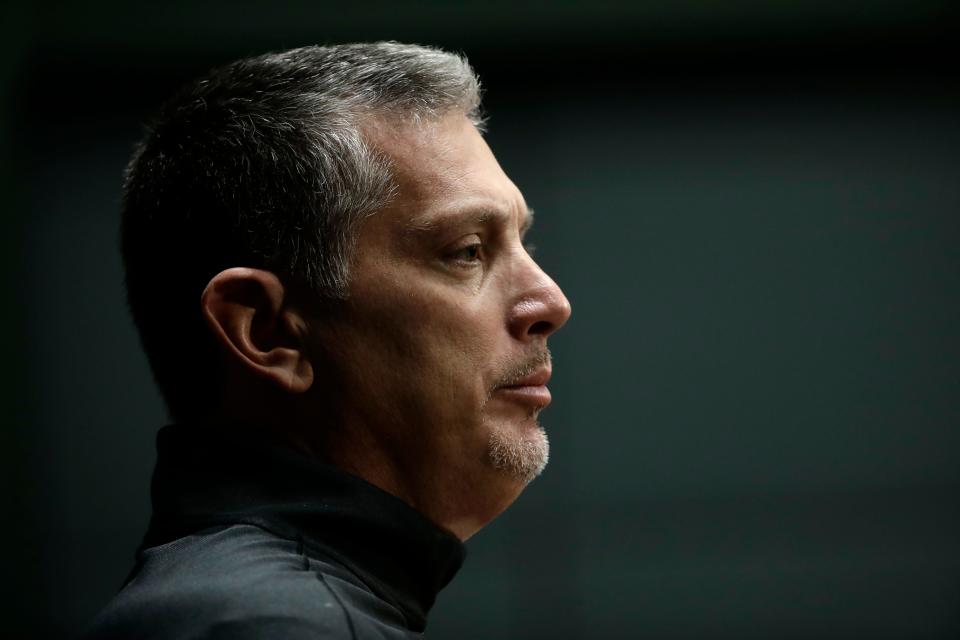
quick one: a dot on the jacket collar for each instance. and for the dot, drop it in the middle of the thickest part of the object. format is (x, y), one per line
(208, 476)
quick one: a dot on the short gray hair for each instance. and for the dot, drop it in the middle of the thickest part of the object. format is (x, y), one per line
(263, 163)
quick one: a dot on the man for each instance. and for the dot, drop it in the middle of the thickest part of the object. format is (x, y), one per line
(326, 266)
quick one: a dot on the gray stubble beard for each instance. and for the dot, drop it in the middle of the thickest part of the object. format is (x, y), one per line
(523, 458)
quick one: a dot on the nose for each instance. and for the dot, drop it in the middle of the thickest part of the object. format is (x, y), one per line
(540, 308)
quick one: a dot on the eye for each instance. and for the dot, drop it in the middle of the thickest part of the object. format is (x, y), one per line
(469, 254)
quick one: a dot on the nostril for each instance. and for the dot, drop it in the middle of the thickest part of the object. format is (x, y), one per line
(540, 328)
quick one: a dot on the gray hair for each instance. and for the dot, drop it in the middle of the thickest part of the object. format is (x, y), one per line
(263, 163)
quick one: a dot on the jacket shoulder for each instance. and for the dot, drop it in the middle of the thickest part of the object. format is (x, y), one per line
(238, 582)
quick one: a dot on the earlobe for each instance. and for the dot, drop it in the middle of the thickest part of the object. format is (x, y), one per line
(245, 310)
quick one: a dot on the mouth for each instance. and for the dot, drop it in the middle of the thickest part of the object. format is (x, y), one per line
(530, 390)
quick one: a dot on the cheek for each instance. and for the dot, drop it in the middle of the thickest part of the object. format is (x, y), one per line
(424, 352)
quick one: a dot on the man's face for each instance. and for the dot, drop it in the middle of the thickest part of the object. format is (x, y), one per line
(440, 352)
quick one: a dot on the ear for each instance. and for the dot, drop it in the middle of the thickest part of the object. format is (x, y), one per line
(245, 310)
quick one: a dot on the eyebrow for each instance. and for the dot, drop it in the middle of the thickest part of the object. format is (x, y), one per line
(478, 216)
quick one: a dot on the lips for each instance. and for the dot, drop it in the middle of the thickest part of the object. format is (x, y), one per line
(530, 390)
(538, 378)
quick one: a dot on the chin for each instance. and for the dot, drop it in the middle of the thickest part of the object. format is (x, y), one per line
(522, 456)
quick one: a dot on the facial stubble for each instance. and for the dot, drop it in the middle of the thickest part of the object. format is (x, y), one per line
(522, 456)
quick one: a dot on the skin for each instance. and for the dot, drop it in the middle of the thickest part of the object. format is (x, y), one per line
(404, 383)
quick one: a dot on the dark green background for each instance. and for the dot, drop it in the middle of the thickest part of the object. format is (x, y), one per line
(753, 207)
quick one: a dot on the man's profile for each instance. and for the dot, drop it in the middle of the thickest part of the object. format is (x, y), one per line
(326, 267)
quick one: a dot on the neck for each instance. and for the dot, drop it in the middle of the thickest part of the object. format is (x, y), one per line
(458, 499)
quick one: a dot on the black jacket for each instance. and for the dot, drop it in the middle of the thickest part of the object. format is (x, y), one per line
(250, 540)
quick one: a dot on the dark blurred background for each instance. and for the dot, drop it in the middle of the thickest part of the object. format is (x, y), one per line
(753, 207)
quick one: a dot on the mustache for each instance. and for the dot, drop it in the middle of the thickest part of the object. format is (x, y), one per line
(517, 372)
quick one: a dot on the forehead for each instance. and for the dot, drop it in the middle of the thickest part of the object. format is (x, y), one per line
(444, 168)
